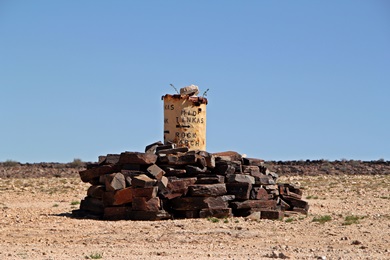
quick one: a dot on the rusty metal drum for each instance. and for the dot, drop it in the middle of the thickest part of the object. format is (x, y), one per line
(185, 121)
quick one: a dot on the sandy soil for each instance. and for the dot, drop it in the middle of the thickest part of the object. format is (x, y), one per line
(35, 223)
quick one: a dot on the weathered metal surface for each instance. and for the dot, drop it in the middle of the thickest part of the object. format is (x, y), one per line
(185, 121)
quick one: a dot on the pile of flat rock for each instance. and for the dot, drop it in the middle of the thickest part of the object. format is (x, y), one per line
(166, 182)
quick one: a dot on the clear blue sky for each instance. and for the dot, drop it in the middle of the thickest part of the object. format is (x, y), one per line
(288, 80)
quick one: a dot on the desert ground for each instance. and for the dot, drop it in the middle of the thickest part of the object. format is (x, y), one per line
(349, 218)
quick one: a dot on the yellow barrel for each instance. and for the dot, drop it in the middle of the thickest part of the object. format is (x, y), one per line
(185, 121)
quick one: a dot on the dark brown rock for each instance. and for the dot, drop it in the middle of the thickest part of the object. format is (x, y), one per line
(111, 159)
(233, 156)
(156, 171)
(240, 178)
(224, 168)
(172, 150)
(209, 179)
(150, 192)
(151, 148)
(216, 213)
(239, 190)
(253, 161)
(177, 187)
(210, 159)
(137, 158)
(194, 203)
(96, 191)
(207, 190)
(195, 170)
(117, 213)
(181, 159)
(93, 205)
(251, 170)
(145, 204)
(119, 197)
(258, 193)
(170, 171)
(90, 174)
(262, 179)
(272, 214)
(114, 181)
(142, 181)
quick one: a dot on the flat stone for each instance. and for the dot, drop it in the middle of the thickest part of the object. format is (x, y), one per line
(137, 158)
(207, 190)
(181, 159)
(233, 156)
(251, 170)
(90, 174)
(151, 148)
(96, 191)
(111, 159)
(262, 179)
(156, 171)
(165, 147)
(253, 161)
(171, 172)
(178, 186)
(173, 150)
(194, 170)
(209, 179)
(119, 197)
(142, 181)
(117, 213)
(240, 190)
(235, 178)
(210, 159)
(216, 213)
(194, 203)
(162, 184)
(272, 214)
(145, 204)
(92, 205)
(150, 192)
(223, 168)
(259, 193)
(115, 181)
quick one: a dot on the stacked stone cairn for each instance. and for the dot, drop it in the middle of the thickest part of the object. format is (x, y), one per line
(166, 182)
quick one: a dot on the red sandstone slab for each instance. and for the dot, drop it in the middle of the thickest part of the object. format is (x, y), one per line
(207, 190)
(194, 203)
(137, 158)
(271, 214)
(145, 204)
(90, 174)
(96, 191)
(156, 171)
(114, 181)
(239, 190)
(142, 181)
(119, 197)
(253, 161)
